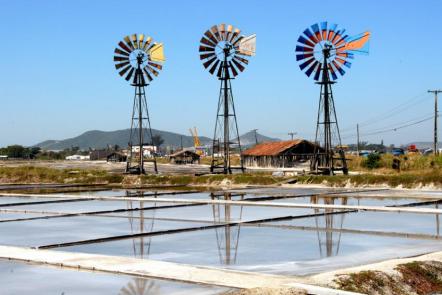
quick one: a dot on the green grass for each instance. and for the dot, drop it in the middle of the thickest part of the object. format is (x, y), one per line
(31, 174)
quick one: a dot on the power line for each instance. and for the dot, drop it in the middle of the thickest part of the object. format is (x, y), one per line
(393, 125)
(395, 128)
(399, 109)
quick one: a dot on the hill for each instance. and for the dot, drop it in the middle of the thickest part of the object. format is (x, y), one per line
(248, 139)
(96, 139)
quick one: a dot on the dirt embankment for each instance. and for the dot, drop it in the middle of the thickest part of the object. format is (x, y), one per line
(267, 291)
(420, 275)
(424, 277)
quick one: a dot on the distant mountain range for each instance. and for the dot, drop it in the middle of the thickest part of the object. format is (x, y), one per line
(96, 139)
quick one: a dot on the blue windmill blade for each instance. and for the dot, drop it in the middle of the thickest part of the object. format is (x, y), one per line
(311, 68)
(305, 42)
(306, 63)
(309, 34)
(316, 31)
(318, 72)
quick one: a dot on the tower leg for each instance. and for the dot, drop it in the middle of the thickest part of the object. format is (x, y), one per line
(226, 136)
(140, 131)
(327, 139)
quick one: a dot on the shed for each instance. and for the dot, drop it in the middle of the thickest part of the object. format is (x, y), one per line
(116, 157)
(278, 154)
(184, 157)
(99, 155)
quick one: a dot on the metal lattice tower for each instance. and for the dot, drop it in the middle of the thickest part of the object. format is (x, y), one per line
(141, 59)
(324, 51)
(224, 52)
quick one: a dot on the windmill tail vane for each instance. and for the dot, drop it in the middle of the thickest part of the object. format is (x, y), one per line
(359, 43)
(323, 43)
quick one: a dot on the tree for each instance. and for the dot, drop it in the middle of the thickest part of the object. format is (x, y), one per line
(16, 151)
(157, 140)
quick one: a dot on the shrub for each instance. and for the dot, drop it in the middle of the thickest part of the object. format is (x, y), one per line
(373, 161)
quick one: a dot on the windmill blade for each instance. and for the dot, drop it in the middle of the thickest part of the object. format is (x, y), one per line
(317, 32)
(336, 37)
(156, 53)
(124, 70)
(147, 44)
(120, 65)
(222, 31)
(220, 70)
(247, 45)
(215, 32)
(303, 49)
(332, 72)
(210, 36)
(324, 30)
(318, 72)
(238, 65)
(229, 33)
(121, 52)
(124, 47)
(306, 63)
(235, 35)
(209, 62)
(234, 71)
(204, 48)
(121, 58)
(149, 77)
(311, 68)
(243, 60)
(303, 56)
(129, 75)
(305, 42)
(155, 72)
(129, 43)
(343, 62)
(339, 68)
(207, 42)
(206, 55)
(135, 41)
(331, 32)
(214, 66)
(141, 41)
(309, 34)
(159, 67)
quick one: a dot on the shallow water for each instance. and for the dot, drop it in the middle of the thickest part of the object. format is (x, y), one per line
(20, 278)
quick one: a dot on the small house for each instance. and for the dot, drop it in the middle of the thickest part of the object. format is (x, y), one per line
(278, 154)
(184, 157)
(116, 157)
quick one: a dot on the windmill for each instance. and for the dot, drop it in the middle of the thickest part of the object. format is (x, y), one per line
(138, 59)
(224, 53)
(323, 51)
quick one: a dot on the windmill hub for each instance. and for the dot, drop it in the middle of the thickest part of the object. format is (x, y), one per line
(141, 58)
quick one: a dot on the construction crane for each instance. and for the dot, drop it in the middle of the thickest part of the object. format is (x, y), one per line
(196, 140)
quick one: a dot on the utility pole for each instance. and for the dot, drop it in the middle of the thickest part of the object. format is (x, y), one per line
(435, 92)
(292, 134)
(256, 135)
(357, 131)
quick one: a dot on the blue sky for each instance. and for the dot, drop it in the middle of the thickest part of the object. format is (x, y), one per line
(58, 80)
